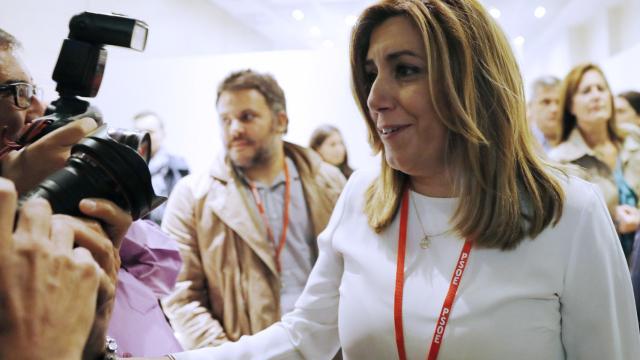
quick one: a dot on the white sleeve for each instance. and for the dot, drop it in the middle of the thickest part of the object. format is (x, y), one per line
(310, 331)
(597, 306)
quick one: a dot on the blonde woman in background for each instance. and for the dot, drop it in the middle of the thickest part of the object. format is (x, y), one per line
(464, 245)
(591, 140)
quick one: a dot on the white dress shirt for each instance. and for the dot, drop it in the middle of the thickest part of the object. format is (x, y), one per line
(564, 295)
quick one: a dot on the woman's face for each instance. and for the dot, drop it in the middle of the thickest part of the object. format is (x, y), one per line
(591, 104)
(332, 149)
(399, 101)
(625, 113)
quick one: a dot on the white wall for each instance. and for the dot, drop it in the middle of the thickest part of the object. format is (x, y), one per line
(606, 32)
(177, 28)
(183, 90)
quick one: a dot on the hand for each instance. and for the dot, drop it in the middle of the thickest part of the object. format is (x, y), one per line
(48, 289)
(32, 164)
(103, 239)
(627, 219)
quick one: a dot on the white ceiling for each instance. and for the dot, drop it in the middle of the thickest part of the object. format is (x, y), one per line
(273, 19)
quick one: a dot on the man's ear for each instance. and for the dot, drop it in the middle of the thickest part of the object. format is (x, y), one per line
(282, 122)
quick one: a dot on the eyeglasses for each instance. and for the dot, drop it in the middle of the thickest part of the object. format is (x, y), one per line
(23, 93)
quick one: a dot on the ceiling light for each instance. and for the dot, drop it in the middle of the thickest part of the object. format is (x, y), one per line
(350, 20)
(519, 40)
(495, 13)
(539, 12)
(315, 31)
(327, 44)
(297, 14)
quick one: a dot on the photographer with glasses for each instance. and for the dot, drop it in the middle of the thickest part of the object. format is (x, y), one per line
(144, 262)
(57, 272)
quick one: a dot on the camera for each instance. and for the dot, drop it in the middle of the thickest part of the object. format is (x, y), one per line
(110, 164)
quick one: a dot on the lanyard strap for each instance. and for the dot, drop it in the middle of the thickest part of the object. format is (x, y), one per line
(285, 217)
(443, 319)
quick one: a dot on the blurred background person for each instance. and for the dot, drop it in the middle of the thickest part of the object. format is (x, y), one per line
(542, 111)
(166, 169)
(591, 140)
(628, 108)
(327, 141)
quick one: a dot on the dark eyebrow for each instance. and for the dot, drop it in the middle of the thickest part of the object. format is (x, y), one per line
(395, 55)
(398, 54)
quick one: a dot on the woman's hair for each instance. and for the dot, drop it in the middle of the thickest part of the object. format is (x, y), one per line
(319, 135)
(478, 95)
(568, 90)
(633, 98)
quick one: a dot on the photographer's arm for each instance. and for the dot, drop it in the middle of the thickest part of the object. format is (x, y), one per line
(32, 164)
(188, 305)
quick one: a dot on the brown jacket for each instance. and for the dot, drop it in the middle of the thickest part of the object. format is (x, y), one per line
(575, 151)
(229, 285)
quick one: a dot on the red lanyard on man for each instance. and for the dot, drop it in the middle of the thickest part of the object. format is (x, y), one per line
(443, 319)
(285, 217)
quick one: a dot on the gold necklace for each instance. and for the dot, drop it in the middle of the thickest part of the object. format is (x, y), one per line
(425, 242)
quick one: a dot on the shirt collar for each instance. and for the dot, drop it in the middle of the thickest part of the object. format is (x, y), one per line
(574, 147)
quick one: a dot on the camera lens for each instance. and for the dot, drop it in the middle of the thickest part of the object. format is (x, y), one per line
(101, 167)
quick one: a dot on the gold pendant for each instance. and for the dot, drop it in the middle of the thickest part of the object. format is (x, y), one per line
(425, 242)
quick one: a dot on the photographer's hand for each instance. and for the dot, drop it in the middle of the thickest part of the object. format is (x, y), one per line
(32, 164)
(48, 288)
(103, 240)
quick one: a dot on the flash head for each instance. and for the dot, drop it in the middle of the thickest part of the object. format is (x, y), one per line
(83, 58)
(101, 29)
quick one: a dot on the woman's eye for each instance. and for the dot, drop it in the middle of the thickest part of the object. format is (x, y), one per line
(370, 77)
(403, 71)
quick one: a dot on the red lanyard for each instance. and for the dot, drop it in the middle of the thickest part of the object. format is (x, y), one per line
(443, 319)
(285, 216)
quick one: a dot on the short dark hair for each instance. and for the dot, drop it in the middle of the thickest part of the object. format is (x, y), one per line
(633, 98)
(264, 83)
(8, 41)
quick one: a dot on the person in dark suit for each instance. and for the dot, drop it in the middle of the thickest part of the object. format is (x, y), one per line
(166, 169)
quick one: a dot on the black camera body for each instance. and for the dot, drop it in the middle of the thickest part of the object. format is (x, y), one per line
(110, 164)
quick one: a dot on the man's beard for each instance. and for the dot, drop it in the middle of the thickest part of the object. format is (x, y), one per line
(261, 156)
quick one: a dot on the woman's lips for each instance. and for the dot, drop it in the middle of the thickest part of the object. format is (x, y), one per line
(390, 130)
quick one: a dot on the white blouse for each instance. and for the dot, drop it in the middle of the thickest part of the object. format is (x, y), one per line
(563, 295)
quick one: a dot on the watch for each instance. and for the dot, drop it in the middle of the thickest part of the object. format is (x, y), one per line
(110, 349)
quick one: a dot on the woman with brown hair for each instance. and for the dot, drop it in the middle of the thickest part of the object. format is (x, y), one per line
(327, 141)
(465, 245)
(591, 140)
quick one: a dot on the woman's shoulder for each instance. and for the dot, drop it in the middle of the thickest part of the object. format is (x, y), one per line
(364, 176)
(571, 149)
(579, 194)
(355, 190)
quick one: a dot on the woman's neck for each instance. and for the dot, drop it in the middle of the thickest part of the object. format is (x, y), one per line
(438, 185)
(595, 137)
